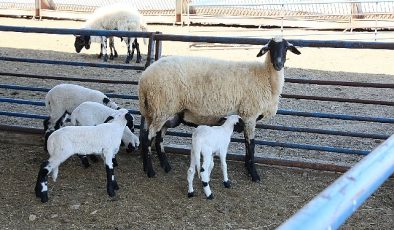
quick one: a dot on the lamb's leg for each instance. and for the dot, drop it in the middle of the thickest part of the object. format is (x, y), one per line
(160, 150)
(205, 175)
(223, 163)
(112, 185)
(137, 47)
(250, 146)
(41, 188)
(146, 149)
(190, 174)
(129, 53)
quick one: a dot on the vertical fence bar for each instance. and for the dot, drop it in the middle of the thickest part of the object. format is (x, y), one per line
(158, 47)
(37, 13)
(151, 44)
(336, 203)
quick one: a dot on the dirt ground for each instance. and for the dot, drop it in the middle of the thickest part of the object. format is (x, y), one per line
(78, 199)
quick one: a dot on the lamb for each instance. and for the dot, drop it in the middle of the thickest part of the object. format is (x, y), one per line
(113, 17)
(93, 113)
(199, 90)
(209, 141)
(103, 139)
(62, 99)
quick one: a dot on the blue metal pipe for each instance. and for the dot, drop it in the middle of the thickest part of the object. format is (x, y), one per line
(106, 33)
(331, 208)
(282, 112)
(335, 116)
(72, 63)
(25, 115)
(208, 39)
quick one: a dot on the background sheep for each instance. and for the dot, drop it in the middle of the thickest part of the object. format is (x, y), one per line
(92, 113)
(103, 139)
(198, 90)
(113, 17)
(209, 141)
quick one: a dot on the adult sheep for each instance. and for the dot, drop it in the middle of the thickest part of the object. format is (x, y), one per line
(197, 90)
(113, 17)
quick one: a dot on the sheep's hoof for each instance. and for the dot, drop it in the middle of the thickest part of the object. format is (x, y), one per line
(166, 166)
(210, 197)
(252, 172)
(227, 184)
(116, 54)
(44, 197)
(111, 57)
(94, 158)
(190, 194)
(151, 173)
(116, 186)
(85, 162)
(105, 59)
(100, 56)
(37, 190)
(138, 60)
(111, 189)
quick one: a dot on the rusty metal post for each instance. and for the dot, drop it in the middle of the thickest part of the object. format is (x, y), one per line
(178, 11)
(37, 13)
(158, 47)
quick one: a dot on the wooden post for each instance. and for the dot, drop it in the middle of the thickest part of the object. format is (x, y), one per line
(178, 11)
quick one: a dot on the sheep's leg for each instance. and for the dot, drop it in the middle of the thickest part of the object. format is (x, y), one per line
(146, 149)
(84, 160)
(101, 51)
(129, 53)
(112, 185)
(137, 47)
(114, 162)
(41, 188)
(160, 150)
(250, 146)
(104, 48)
(205, 176)
(112, 48)
(223, 163)
(190, 174)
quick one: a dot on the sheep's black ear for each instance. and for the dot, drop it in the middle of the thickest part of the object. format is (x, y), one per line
(263, 50)
(106, 100)
(293, 49)
(109, 118)
(222, 120)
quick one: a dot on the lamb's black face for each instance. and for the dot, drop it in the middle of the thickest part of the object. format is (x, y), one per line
(80, 42)
(278, 49)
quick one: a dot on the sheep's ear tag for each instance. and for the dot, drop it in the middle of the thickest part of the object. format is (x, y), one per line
(263, 51)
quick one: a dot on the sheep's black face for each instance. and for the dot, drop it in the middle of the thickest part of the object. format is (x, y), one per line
(80, 42)
(278, 48)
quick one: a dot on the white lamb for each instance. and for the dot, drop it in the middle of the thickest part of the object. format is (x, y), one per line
(114, 17)
(93, 113)
(103, 139)
(62, 99)
(201, 90)
(209, 141)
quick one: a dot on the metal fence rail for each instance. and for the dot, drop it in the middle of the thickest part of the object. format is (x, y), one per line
(155, 42)
(331, 208)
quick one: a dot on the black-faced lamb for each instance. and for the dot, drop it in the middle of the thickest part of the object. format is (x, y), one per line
(113, 17)
(103, 139)
(200, 90)
(209, 141)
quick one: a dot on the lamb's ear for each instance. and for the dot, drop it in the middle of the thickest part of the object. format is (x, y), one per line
(263, 50)
(293, 49)
(109, 118)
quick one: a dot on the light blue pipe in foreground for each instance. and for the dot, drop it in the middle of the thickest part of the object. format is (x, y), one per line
(331, 208)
